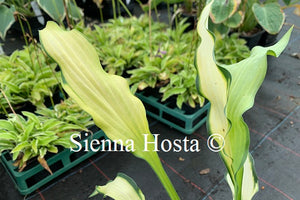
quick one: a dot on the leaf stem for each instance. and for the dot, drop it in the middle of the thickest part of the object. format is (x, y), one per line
(157, 167)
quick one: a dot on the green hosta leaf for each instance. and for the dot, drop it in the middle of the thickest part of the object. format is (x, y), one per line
(269, 16)
(27, 155)
(218, 28)
(121, 188)
(54, 8)
(51, 124)
(67, 127)
(6, 19)
(221, 10)
(15, 154)
(105, 97)
(12, 86)
(235, 20)
(21, 147)
(64, 141)
(74, 11)
(45, 140)
(28, 130)
(180, 100)
(34, 145)
(173, 91)
(5, 146)
(7, 125)
(42, 133)
(44, 73)
(52, 149)
(8, 136)
(31, 117)
(42, 153)
(231, 90)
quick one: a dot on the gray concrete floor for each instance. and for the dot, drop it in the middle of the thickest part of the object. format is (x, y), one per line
(274, 126)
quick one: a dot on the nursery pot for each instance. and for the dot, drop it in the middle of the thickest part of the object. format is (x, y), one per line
(268, 39)
(191, 18)
(253, 39)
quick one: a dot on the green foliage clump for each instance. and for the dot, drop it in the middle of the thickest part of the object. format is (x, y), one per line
(27, 75)
(162, 59)
(231, 49)
(67, 111)
(31, 136)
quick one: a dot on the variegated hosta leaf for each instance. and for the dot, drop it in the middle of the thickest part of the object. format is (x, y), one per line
(231, 90)
(6, 19)
(269, 16)
(235, 20)
(54, 8)
(107, 98)
(121, 188)
(221, 10)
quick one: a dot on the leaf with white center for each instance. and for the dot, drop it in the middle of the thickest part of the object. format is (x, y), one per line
(107, 98)
(231, 90)
(121, 188)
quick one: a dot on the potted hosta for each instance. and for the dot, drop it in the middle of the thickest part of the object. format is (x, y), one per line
(251, 18)
(34, 14)
(162, 72)
(37, 147)
(27, 79)
(33, 136)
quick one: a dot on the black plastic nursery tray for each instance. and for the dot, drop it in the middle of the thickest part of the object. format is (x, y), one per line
(34, 175)
(185, 121)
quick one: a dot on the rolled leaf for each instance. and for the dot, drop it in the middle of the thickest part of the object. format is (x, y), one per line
(121, 188)
(231, 90)
(107, 98)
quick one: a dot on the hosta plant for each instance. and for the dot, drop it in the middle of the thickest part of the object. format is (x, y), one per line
(67, 111)
(147, 66)
(54, 8)
(230, 49)
(33, 136)
(27, 75)
(247, 14)
(166, 65)
(231, 90)
(107, 98)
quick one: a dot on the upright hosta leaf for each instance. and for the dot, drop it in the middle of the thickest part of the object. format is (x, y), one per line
(107, 98)
(6, 19)
(121, 188)
(231, 90)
